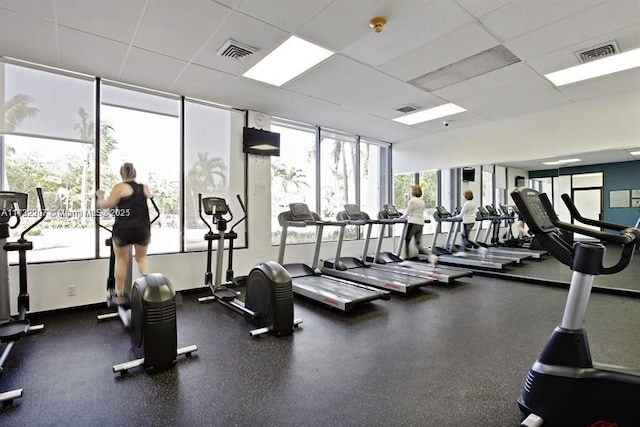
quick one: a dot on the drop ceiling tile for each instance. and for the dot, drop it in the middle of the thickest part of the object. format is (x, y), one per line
(170, 28)
(416, 26)
(28, 38)
(151, 70)
(203, 83)
(480, 8)
(522, 16)
(115, 19)
(331, 73)
(43, 9)
(289, 15)
(519, 73)
(101, 57)
(451, 47)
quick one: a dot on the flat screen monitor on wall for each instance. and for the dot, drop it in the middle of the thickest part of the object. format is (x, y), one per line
(468, 174)
(261, 142)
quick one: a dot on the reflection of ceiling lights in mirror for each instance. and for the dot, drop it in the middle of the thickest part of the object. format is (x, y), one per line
(600, 67)
(561, 162)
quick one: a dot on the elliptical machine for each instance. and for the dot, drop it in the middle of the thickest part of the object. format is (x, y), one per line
(564, 387)
(14, 204)
(268, 301)
(151, 317)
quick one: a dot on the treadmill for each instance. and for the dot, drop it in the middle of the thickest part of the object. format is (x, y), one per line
(357, 270)
(445, 253)
(485, 214)
(489, 213)
(390, 216)
(310, 282)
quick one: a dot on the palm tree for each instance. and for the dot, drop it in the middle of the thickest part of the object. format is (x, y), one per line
(207, 176)
(16, 110)
(289, 176)
(86, 134)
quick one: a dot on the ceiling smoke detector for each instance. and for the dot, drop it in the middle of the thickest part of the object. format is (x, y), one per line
(378, 24)
(236, 50)
(598, 52)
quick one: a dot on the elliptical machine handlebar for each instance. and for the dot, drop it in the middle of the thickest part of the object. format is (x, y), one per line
(155, 218)
(244, 211)
(625, 237)
(43, 214)
(596, 223)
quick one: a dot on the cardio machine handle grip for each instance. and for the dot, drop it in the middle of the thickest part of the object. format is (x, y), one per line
(43, 214)
(626, 237)
(155, 206)
(596, 223)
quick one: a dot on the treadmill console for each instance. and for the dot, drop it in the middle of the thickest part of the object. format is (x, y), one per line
(300, 212)
(215, 206)
(354, 212)
(492, 211)
(392, 211)
(531, 205)
(441, 212)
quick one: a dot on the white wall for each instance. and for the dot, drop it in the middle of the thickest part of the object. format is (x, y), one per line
(611, 122)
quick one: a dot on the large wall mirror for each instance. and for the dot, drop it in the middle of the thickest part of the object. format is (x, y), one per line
(603, 185)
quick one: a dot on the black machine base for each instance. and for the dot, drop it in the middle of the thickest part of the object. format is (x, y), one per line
(269, 292)
(153, 321)
(565, 388)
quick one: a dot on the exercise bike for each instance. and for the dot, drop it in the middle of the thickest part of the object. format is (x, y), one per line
(268, 301)
(14, 204)
(150, 318)
(564, 387)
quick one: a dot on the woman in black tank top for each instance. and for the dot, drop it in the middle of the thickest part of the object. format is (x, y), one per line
(132, 225)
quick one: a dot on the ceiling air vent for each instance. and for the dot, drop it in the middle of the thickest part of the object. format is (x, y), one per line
(236, 50)
(407, 109)
(599, 52)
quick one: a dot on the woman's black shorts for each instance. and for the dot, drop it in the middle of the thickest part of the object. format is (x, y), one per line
(123, 236)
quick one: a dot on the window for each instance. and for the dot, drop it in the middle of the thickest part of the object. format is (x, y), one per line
(337, 177)
(144, 129)
(293, 178)
(211, 167)
(429, 185)
(47, 141)
(374, 181)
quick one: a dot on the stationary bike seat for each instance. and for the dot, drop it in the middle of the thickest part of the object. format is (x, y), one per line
(14, 330)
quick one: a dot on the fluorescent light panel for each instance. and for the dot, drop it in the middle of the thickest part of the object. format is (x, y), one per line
(635, 153)
(601, 67)
(290, 59)
(430, 114)
(560, 162)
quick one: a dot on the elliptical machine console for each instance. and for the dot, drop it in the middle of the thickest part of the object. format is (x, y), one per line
(268, 301)
(151, 317)
(564, 387)
(13, 204)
